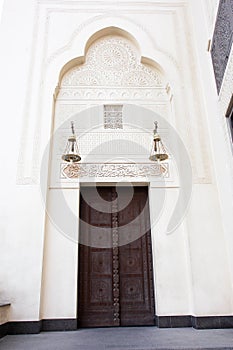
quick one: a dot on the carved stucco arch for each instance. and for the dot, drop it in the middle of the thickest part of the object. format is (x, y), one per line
(113, 32)
(177, 104)
(98, 26)
(113, 72)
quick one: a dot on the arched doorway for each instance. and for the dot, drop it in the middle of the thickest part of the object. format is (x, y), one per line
(87, 93)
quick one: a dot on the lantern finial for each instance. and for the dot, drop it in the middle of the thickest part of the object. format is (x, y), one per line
(71, 154)
(158, 151)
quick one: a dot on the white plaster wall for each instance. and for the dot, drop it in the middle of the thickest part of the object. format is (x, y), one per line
(34, 51)
(216, 107)
(1, 7)
(211, 282)
(22, 211)
(59, 292)
(173, 289)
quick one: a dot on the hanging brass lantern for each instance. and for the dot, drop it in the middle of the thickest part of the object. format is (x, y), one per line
(158, 150)
(71, 154)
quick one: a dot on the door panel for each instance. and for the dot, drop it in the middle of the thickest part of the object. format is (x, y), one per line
(136, 289)
(116, 284)
(95, 297)
(136, 283)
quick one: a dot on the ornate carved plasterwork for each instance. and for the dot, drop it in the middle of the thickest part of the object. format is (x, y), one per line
(113, 117)
(113, 61)
(43, 23)
(113, 142)
(120, 14)
(113, 93)
(114, 170)
(222, 40)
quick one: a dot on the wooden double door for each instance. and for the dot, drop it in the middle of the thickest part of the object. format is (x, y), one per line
(115, 278)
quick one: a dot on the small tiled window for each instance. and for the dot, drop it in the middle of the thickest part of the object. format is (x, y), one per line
(113, 117)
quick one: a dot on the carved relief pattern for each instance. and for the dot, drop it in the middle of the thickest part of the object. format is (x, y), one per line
(113, 117)
(133, 290)
(101, 291)
(112, 72)
(115, 250)
(118, 142)
(150, 266)
(73, 171)
(147, 265)
(108, 93)
(112, 61)
(222, 40)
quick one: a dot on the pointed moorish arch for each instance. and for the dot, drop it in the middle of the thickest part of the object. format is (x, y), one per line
(74, 51)
(114, 32)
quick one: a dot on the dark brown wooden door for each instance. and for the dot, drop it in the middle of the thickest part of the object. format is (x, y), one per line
(115, 279)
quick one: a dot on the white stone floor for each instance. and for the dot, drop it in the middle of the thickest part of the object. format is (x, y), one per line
(137, 338)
